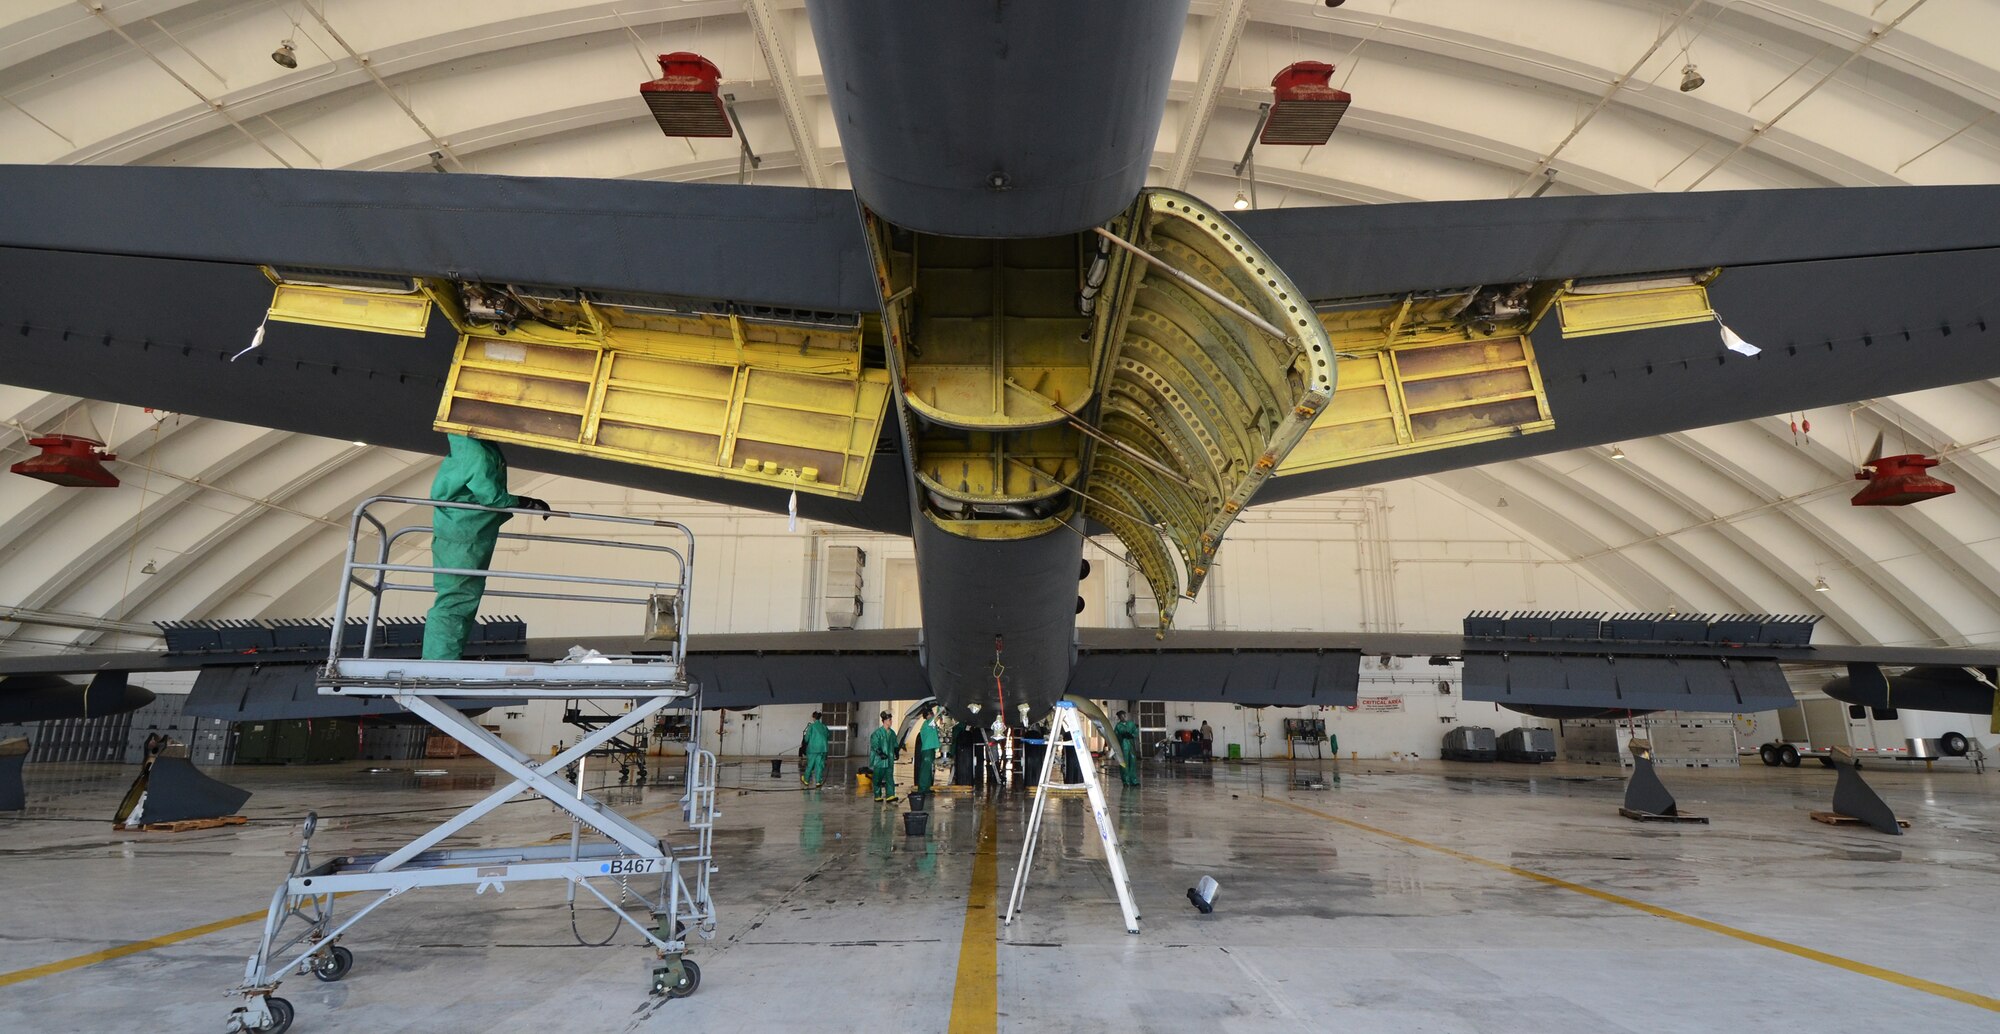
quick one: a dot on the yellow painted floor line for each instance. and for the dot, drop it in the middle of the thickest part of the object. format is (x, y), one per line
(1836, 961)
(975, 998)
(49, 969)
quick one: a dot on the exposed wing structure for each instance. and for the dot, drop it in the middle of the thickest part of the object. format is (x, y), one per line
(1471, 332)
(1436, 310)
(1149, 376)
(703, 341)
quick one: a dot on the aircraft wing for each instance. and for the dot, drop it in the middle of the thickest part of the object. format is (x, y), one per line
(1598, 662)
(1479, 331)
(138, 285)
(736, 671)
(1461, 326)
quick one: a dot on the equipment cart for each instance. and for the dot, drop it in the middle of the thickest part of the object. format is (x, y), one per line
(661, 889)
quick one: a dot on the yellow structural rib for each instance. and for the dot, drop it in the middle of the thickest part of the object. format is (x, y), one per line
(1431, 371)
(1418, 397)
(1213, 368)
(993, 359)
(785, 406)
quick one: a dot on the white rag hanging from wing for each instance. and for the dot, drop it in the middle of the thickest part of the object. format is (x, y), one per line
(1734, 342)
(256, 340)
(792, 511)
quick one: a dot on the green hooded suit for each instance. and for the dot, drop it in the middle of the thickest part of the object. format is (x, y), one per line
(814, 772)
(474, 472)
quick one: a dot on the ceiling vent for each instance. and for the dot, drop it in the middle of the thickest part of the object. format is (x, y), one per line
(1307, 110)
(68, 460)
(687, 98)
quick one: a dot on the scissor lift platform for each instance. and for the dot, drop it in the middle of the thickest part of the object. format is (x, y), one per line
(613, 677)
(633, 858)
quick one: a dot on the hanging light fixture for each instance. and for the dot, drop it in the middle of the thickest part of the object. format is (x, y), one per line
(1617, 453)
(285, 55)
(1502, 504)
(1819, 585)
(1691, 80)
(1242, 201)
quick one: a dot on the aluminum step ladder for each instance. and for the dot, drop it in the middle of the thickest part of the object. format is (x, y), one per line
(1066, 733)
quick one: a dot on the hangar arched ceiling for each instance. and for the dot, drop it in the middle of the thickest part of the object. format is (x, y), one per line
(1453, 99)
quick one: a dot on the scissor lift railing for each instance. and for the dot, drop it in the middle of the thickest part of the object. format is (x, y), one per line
(304, 904)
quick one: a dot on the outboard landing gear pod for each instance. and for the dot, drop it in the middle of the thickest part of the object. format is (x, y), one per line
(1646, 798)
(1854, 800)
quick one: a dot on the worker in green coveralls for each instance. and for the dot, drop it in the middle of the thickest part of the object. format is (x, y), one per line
(473, 472)
(927, 748)
(1127, 732)
(814, 773)
(882, 758)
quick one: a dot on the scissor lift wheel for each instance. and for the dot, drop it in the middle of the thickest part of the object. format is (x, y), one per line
(333, 965)
(276, 1018)
(667, 983)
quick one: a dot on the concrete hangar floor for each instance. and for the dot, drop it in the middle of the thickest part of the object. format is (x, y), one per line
(1355, 896)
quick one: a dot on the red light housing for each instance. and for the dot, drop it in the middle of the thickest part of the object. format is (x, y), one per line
(1900, 481)
(687, 98)
(70, 461)
(1307, 110)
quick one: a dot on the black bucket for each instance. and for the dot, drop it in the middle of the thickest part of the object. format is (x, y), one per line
(920, 801)
(777, 768)
(916, 823)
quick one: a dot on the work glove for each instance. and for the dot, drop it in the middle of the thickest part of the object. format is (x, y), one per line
(522, 502)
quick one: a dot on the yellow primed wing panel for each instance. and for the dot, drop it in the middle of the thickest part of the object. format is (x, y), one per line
(1418, 397)
(642, 398)
(1585, 314)
(382, 312)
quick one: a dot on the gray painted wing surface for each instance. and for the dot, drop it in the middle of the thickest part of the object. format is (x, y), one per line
(1724, 684)
(1358, 250)
(1851, 293)
(767, 245)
